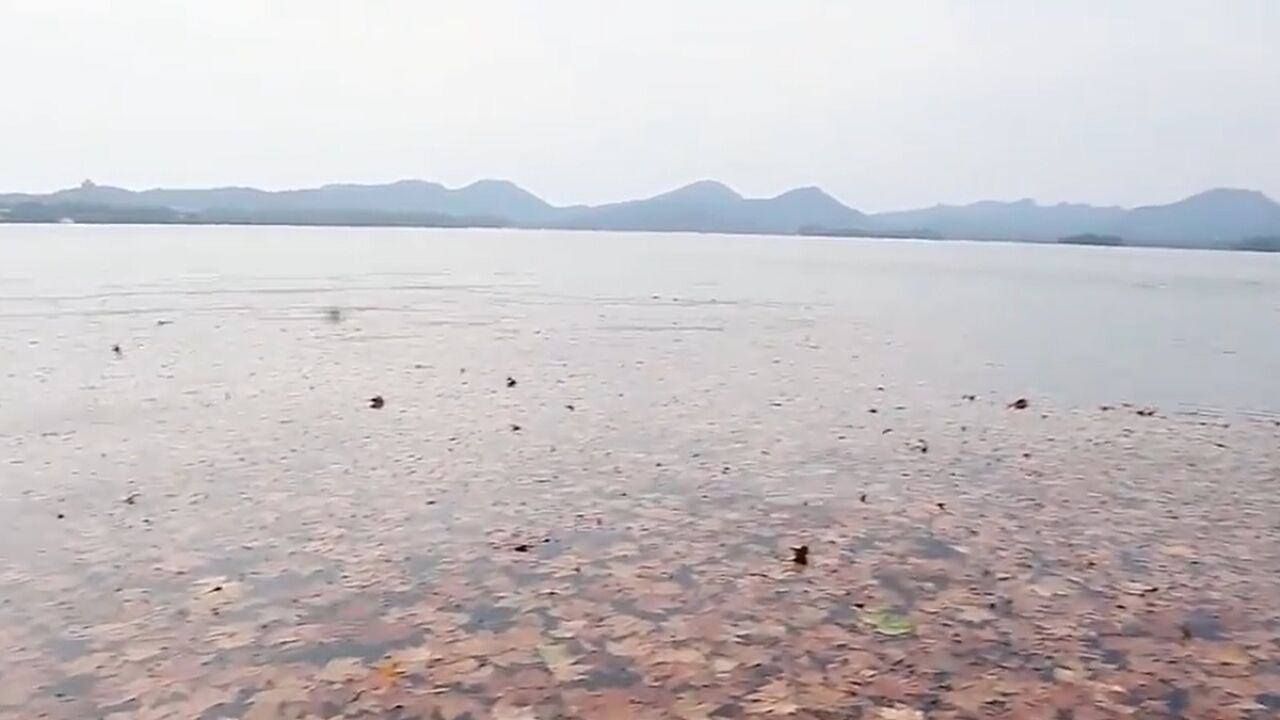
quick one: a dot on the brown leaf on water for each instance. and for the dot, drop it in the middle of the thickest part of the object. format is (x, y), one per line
(231, 638)
(448, 705)
(898, 713)
(800, 555)
(507, 710)
(1226, 654)
(271, 704)
(690, 707)
(458, 671)
(972, 697)
(630, 647)
(1138, 589)
(341, 670)
(724, 665)
(389, 672)
(775, 698)
(563, 666)
(657, 604)
(680, 655)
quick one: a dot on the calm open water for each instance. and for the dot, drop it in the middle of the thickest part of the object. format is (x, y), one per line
(1180, 329)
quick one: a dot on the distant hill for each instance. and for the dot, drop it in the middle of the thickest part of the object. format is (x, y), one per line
(487, 198)
(713, 207)
(990, 220)
(1217, 218)
(1222, 218)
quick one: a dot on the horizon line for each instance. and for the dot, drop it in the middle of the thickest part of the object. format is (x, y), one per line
(89, 182)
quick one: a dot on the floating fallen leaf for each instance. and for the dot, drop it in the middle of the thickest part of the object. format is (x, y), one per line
(388, 672)
(775, 698)
(690, 707)
(889, 623)
(377, 402)
(561, 664)
(1066, 675)
(724, 664)
(680, 655)
(975, 615)
(800, 555)
(1178, 551)
(1227, 654)
(1138, 589)
(231, 638)
(505, 710)
(343, 669)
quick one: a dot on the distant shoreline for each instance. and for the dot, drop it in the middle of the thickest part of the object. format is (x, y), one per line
(1224, 218)
(838, 235)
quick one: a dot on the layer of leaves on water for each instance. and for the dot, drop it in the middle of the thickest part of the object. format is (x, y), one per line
(291, 555)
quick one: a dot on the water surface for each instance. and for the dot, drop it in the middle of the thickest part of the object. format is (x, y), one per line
(215, 523)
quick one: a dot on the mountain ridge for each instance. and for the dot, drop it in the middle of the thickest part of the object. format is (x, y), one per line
(1219, 217)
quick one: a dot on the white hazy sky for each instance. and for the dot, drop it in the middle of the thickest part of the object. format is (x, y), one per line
(886, 104)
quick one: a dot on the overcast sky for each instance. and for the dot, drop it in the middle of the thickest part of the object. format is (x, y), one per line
(885, 104)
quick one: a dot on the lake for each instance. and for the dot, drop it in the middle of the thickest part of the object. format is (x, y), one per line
(1188, 329)
(595, 458)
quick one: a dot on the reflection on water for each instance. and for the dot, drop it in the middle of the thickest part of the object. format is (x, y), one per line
(216, 524)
